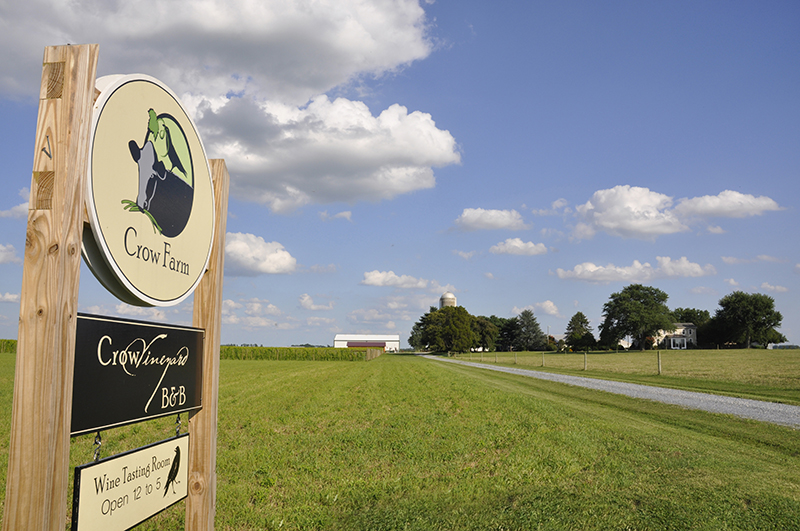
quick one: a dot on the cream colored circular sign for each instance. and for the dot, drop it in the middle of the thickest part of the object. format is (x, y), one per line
(150, 197)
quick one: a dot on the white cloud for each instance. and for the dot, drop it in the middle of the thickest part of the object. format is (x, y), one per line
(324, 216)
(768, 258)
(590, 272)
(481, 219)
(635, 212)
(549, 232)
(547, 307)
(396, 303)
(317, 268)
(151, 314)
(556, 206)
(731, 282)
(8, 255)
(370, 315)
(464, 254)
(389, 278)
(286, 157)
(775, 289)
(636, 272)
(682, 268)
(254, 75)
(257, 321)
(258, 307)
(250, 255)
(437, 288)
(19, 211)
(518, 247)
(629, 212)
(229, 308)
(702, 290)
(255, 313)
(308, 303)
(727, 204)
(9, 297)
(732, 260)
(489, 275)
(320, 321)
(286, 50)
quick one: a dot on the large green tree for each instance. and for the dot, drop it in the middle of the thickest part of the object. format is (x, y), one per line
(509, 329)
(579, 333)
(456, 334)
(637, 311)
(748, 317)
(529, 335)
(445, 330)
(691, 315)
(423, 332)
(485, 333)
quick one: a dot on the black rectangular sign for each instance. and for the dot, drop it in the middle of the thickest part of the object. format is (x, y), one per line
(129, 371)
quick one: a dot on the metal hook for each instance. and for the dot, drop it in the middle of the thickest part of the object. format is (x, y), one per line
(98, 442)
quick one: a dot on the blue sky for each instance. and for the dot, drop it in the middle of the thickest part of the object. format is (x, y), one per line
(534, 155)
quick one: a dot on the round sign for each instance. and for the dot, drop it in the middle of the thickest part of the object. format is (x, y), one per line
(150, 198)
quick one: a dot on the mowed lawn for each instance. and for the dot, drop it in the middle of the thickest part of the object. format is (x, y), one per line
(406, 443)
(759, 374)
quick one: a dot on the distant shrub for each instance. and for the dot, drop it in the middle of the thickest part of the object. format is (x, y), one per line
(8, 346)
(233, 352)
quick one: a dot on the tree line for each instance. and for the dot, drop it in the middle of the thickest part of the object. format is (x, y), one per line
(637, 311)
(640, 312)
(453, 329)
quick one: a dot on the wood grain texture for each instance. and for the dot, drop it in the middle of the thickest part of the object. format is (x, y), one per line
(38, 467)
(202, 499)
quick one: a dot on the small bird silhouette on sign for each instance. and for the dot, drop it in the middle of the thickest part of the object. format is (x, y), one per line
(173, 471)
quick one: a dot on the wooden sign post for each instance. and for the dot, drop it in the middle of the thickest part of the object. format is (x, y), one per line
(38, 465)
(202, 500)
(38, 456)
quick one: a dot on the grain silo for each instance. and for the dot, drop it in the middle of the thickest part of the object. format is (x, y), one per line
(447, 299)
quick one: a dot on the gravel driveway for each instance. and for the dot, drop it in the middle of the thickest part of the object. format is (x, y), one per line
(772, 412)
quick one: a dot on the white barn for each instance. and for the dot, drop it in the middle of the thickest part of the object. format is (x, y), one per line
(388, 342)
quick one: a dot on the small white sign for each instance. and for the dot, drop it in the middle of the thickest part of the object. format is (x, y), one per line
(122, 491)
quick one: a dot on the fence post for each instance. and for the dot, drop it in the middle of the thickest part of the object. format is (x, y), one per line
(585, 356)
(659, 363)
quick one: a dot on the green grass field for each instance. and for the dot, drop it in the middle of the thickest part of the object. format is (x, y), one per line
(407, 443)
(760, 374)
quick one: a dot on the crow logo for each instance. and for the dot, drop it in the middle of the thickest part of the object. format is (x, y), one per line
(173, 471)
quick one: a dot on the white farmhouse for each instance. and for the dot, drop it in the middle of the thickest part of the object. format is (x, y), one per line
(684, 336)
